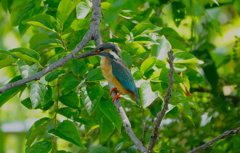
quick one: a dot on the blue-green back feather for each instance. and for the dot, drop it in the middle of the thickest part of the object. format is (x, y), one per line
(123, 75)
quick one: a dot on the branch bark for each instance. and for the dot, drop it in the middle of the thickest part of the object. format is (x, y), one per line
(222, 136)
(92, 32)
(127, 125)
(160, 115)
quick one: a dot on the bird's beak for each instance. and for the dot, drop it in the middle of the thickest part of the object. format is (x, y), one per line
(87, 54)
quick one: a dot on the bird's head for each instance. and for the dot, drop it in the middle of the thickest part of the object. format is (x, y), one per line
(109, 50)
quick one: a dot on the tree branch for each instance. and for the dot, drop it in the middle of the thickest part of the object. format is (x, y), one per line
(160, 115)
(127, 125)
(94, 29)
(222, 136)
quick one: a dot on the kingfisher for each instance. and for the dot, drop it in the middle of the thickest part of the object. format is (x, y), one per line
(114, 70)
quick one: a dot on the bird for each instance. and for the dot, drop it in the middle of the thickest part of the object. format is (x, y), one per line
(114, 70)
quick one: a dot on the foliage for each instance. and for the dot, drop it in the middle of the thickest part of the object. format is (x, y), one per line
(205, 99)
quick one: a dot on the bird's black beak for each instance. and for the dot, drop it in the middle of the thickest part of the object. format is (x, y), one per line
(87, 54)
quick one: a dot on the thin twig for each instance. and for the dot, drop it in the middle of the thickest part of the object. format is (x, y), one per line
(160, 115)
(222, 136)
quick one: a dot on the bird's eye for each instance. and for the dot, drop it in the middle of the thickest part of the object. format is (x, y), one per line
(101, 48)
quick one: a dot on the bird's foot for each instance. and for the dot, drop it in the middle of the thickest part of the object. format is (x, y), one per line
(117, 96)
(113, 89)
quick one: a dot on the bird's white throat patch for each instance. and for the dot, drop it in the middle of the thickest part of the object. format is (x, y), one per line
(114, 54)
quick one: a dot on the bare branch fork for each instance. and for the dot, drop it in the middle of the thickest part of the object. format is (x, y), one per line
(160, 115)
(222, 136)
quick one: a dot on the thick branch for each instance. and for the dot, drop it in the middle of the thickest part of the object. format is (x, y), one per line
(160, 115)
(222, 136)
(94, 28)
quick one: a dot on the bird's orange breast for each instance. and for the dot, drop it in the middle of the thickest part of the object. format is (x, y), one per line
(108, 75)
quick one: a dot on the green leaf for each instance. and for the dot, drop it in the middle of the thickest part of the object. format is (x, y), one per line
(148, 64)
(161, 75)
(67, 130)
(179, 68)
(185, 57)
(106, 128)
(5, 5)
(100, 149)
(196, 9)
(169, 32)
(65, 111)
(216, 26)
(145, 39)
(54, 74)
(185, 109)
(79, 67)
(136, 48)
(112, 11)
(36, 129)
(36, 38)
(44, 21)
(26, 54)
(178, 11)
(127, 58)
(82, 10)
(110, 111)
(26, 70)
(70, 99)
(90, 97)
(236, 4)
(172, 113)
(147, 96)
(95, 75)
(137, 75)
(48, 44)
(56, 58)
(84, 121)
(68, 83)
(176, 44)
(34, 7)
(161, 49)
(144, 28)
(40, 147)
(65, 8)
(27, 103)
(48, 95)
(37, 93)
(6, 59)
(80, 24)
(11, 92)
(22, 9)
(46, 106)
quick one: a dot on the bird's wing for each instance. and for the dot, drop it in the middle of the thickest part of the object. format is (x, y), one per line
(123, 75)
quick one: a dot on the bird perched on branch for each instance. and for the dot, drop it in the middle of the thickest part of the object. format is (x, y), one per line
(114, 70)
